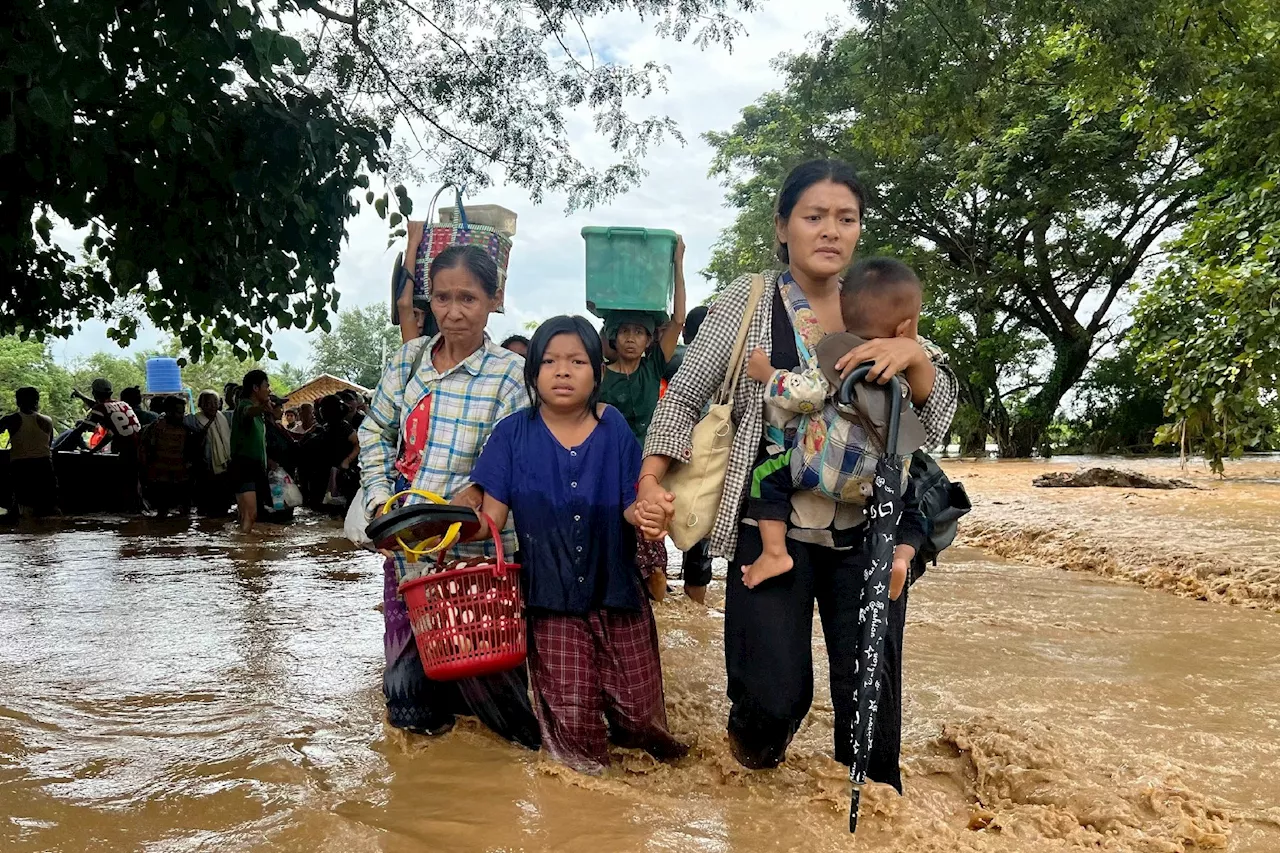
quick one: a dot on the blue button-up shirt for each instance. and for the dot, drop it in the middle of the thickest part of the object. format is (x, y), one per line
(577, 550)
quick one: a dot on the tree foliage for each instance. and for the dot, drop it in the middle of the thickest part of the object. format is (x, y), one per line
(207, 158)
(1030, 204)
(1209, 328)
(358, 348)
(211, 185)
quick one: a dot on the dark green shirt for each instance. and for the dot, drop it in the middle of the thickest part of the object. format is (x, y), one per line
(248, 435)
(636, 395)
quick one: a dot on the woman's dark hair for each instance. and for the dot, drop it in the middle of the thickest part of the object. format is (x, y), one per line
(477, 262)
(693, 322)
(132, 395)
(564, 325)
(806, 175)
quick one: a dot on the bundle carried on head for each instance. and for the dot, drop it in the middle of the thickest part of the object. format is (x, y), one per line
(488, 226)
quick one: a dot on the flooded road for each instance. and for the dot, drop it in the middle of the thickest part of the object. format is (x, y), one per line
(166, 687)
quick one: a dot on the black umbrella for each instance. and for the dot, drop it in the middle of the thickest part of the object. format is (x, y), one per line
(884, 510)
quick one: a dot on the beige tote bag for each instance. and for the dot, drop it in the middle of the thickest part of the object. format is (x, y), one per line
(699, 483)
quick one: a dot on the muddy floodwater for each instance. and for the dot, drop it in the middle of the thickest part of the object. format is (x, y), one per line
(175, 687)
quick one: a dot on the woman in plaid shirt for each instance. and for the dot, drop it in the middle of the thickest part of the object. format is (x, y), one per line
(768, 629)
(435, 407)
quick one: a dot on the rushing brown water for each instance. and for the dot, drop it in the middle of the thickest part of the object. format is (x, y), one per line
(166, 687)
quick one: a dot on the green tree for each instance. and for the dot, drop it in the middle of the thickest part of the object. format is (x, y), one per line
(121, 371)
(1209, 328)
(291, 376)
(1120, 410)
(29, 363)
(1029, 212)
(209, 158)
(358, 349)
(211, 183)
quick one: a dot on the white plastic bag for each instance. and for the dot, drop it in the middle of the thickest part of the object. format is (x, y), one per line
(357, 521)
(292, 494)
(276, 480)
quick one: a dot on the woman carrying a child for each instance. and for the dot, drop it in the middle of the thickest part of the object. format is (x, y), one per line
(768, 625)
(435, 407)
(566, 470)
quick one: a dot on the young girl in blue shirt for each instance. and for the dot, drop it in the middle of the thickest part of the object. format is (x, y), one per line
(567, 470)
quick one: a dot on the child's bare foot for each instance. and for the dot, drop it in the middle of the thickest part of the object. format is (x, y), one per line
(765, 567)
(897, 579)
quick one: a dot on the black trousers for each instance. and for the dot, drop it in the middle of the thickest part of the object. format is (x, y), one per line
(769, 660)
(696, 567)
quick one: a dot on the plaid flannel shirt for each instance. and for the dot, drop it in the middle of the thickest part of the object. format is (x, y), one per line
(705, 364)
(467, 401)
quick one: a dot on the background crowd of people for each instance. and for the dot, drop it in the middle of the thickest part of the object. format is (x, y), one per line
(240, 447)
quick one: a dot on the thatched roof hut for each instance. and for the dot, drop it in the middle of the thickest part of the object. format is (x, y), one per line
(322, 386)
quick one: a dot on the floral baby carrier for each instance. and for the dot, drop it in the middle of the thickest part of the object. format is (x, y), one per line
(832, 455)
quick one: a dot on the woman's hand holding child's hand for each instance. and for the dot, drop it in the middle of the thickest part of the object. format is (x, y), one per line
(651, 519)
(759, 367)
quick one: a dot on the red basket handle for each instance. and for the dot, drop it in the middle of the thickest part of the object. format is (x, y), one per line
(501, 566)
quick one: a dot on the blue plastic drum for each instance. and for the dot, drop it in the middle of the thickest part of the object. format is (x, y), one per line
(164, 376)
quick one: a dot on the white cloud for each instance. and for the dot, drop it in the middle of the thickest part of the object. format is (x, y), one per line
(707, 91)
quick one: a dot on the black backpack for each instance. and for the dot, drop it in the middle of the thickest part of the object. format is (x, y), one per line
(942, 502)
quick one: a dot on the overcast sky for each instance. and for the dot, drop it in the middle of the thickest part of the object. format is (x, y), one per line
(708, 90)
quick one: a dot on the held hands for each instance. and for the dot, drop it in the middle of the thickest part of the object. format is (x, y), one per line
(655, 507)
(651, 520)
(760, 368)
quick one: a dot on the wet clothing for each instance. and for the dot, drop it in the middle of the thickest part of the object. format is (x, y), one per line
(467, 401)
(579, 553)
(35, 484)
(248, 475)
(593, 659)
(696, 567)
(770, 669)
(635, 395)
(248, 435)
(418, 704)
(30, 435)
(768, 630)
(164, 446)
(598, 678)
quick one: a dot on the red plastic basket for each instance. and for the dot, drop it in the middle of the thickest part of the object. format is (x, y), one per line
(469, 621)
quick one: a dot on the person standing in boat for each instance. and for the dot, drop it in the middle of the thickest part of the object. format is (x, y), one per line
(35, 486)
(632, 379)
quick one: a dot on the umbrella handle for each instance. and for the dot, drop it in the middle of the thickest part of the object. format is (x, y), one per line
(854, 806)
(894, 390)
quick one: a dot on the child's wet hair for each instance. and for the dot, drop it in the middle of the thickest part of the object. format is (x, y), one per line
(891, 285)
(564, 325)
